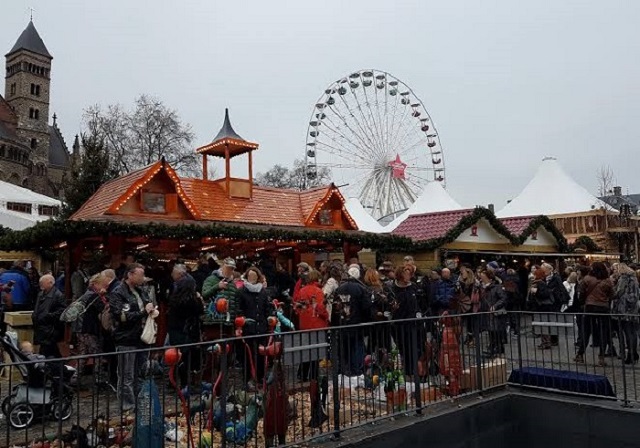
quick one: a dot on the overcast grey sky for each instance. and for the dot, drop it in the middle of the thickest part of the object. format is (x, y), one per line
(506, 81)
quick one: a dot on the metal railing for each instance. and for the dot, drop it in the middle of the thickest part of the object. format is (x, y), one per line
(297, 386)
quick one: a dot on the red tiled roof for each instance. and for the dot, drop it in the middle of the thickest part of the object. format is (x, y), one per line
(108, 193)
(517, 225)
(269, 206)
(430, 225)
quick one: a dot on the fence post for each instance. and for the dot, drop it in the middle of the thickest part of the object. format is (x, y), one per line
(335, 359)
(223, 391)
(417, 325)
(519, 317)
(621, 338)
(478, 349)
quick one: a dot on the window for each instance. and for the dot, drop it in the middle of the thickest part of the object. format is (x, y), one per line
(37, 114)
(13, 88)
(34, 114)
(35, 89)
(19, 207)
(48, 210)
(2, 149)
(153, 202)
(325, 217)
(34, 143)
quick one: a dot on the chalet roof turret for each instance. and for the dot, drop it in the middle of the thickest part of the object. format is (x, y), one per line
(31, 41)
(227, 139)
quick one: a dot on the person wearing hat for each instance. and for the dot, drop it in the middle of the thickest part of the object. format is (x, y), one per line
(303, 271)
(220, 284)
(356, 309)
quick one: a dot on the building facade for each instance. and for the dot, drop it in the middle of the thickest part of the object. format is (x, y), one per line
(33, 153)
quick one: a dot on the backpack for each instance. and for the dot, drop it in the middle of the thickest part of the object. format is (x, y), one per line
(627, 302)
(74, 314)
(106, 319)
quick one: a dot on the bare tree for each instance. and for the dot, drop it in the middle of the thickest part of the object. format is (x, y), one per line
(606, 180)
(138, 138)
(282, 177)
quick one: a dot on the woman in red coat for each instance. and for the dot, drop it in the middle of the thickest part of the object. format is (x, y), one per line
(312, 315)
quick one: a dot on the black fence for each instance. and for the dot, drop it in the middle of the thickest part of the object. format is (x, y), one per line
(286, 388)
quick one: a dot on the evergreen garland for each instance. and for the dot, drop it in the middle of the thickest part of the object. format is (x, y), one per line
(45, 234)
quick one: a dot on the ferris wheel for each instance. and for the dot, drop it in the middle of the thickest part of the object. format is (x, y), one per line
(377, 140)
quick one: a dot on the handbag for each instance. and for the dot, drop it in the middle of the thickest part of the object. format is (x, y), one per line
(149, 332)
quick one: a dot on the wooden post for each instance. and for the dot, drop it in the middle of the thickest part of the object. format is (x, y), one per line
(251, 174)
(227, 167)
(205, 168)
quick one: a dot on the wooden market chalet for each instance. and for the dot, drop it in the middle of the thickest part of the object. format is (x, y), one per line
(157, 194)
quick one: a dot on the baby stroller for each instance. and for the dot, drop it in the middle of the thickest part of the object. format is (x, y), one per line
(44, 393)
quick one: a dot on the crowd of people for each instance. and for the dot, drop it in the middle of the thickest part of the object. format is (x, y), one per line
(117, 303)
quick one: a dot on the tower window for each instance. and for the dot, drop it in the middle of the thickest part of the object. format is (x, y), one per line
(2, 148)
(34, 113)
(13, 88)
(34, 143)
(37, 114)
(35, 89)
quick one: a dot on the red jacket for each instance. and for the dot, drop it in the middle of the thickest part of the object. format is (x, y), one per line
(310, 317)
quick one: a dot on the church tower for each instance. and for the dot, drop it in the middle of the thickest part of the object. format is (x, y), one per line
(27, 88)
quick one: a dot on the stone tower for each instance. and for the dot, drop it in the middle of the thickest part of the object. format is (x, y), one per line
(27, 90)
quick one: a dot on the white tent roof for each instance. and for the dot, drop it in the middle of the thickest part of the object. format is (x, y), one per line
(434, 198)
(17, 221)
(362, 218)
(551, 192)
(13, 193)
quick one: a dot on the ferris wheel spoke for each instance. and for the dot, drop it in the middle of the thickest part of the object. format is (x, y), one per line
(335, 129)
(406, 149)
(365, 142)
(377, 125)
(365, 134)
(344, 166)
(355, 152)
(370, 126)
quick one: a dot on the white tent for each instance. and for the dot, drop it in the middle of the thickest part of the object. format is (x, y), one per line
(17, 220)
(551, 192)
(363, 219)
(434, 198)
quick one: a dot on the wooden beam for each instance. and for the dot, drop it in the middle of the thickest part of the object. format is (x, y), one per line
(227, 167)
(250, 174)
(205, 168)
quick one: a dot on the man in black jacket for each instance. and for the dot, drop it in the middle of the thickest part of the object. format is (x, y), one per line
(183, 319)
(130, 307)
(48, 329)
(356, 306)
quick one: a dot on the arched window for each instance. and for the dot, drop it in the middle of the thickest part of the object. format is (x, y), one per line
(2, 149)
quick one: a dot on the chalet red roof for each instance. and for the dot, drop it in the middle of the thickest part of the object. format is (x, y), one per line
(208, 201)
(429, 226)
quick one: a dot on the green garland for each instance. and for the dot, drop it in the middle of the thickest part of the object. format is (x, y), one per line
(45, 234)
(585, 242)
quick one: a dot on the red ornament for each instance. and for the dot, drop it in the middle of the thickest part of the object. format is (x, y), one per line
(172, 356)
(222, 306)
(397, 168)
(239, 322)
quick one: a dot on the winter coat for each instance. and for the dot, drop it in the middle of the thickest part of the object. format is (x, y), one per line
(47, 327)
(89, 321)
(543, 296)
(200, 275)
(406, 301)
(494, 297)
(597, 292)
(21, 289)
(626, 297)
(185, 308)
(558, 291)
(128, 317)
(311, 318)
(357, 301)
(445, 289)
(212, 291)
(253, 303)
